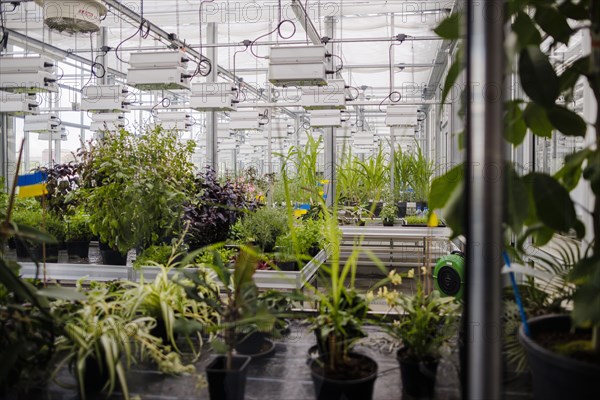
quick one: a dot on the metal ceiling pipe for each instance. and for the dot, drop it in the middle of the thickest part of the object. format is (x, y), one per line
(484, 198)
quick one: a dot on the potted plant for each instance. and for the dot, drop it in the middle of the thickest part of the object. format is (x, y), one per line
(421, 171)
(262, 227)
(166, 301)
(388, 214)
(426, 322)
(238, 308)
(562, 350)
(78, 234)
(135, 189)
(49, 224)
(99, 341)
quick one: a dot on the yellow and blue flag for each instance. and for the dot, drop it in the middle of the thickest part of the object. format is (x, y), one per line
(32, 185)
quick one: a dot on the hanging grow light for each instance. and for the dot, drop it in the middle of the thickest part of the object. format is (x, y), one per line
(18, 104)
(298, 66)
(345, 131)
(41, 123)
(247, 120)
(331, 96)
(213, 97)
(111, 122)
(81, 16)
(398, 115)
(325, 118)
(60, 134)
(104, 98)
(161, 70)
(27, 74)
(175, 121)
(279, 129)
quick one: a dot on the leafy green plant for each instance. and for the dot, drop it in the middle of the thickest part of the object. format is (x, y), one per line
(238, 308)
(78, 227)
(415, 220)
(153, 255)
(101, 336)
(539, 205)
(426, 322)
(375, 174)
(226, 254)
(263, 227)
(389, 212)
(421, 171)
(137, 186)
(165, 300)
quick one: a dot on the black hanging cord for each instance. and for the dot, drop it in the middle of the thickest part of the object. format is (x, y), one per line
(236, 82)
(277, 29)
(165, 102)
(96, 69)
(144, 31)
(204, 67)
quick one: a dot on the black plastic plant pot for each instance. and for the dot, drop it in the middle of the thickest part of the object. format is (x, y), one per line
(287, 265)
(418, 378)
(256, 345)
(401, 209)
(51, 252)
(313, 251)
(387, 222)
(78, 249)
(226, 384)
(94, 377)
(113, 257)
(344, 386)
(555, 376)
(12, 243)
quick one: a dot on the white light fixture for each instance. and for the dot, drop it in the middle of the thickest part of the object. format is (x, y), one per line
(60, 134)
(177, 121)
(111, 122)
(325, 118)
(331, 96)
(279, 129)
(18, 104)
(161, 70)
(27, 74)
(81, 16)
(213, 97)
(346, 131)
(297, 66)
(104, 98)
(246, 120)
(41, 123)
(398, 115)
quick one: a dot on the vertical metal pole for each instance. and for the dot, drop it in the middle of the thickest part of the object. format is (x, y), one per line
(484, 191)
(393, 129)
(212, 123)
(329, 133)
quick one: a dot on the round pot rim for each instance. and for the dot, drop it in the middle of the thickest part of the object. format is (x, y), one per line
(342, 381)
(431, 361)
(548, 354)
(264, 353)
(242, 367)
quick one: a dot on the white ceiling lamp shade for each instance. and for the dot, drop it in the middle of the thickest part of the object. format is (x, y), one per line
(257, 141)
(364, 139)
(331, 96)
(227, 145)
(298, 66)
(161, 70)
(60, 134)
(42, 123)
(398, 115)
(246, 149)
(246, 120)
(18, 104)
(175, 121)
(346, 131)
(224, 132)
(213, 97)
(79, 16)
(27, 74)
(325, 118)
(104, 98)
(111, 122)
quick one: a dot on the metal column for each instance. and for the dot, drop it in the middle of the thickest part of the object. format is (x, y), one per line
(484, 191)
(329, 133)
(212, 123)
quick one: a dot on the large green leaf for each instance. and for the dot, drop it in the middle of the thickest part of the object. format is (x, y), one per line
(62, 293)
(570, 173)
(553, 205)
(537, 120)
(449, 28)
(516, 204)
(514, 125)
(571, 75)
(454, 212)
(553, 22)
(566, 121)
(577, 11)
(527, 32)
(443, 186)
(538, 78)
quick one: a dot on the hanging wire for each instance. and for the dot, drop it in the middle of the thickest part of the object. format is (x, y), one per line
(143, 29)
(394, 96)
(277, 29)
(204, 66)
(96, 69)
(236, 82)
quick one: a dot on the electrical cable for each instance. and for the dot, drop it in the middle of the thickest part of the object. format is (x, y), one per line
(95, 66)
(277, 29)
(143, 34)
(203, 62)
(236, 82)
(392, 91)
(165, 102)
